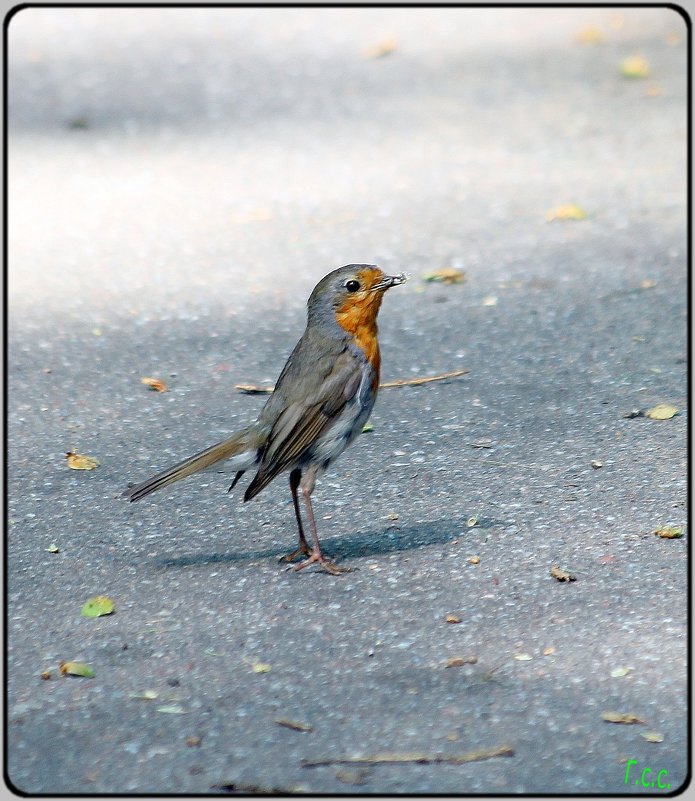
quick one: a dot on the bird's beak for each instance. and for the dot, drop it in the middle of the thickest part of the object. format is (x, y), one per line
(390, 280)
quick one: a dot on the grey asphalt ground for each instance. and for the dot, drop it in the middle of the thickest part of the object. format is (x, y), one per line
(178, 182)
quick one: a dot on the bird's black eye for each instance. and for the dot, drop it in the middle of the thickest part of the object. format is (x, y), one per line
(352, 286)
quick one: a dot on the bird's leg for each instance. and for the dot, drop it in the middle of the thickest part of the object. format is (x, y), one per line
(307, 487)
(303, 547)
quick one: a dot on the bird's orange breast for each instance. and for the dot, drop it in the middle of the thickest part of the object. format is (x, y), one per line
(357, 316)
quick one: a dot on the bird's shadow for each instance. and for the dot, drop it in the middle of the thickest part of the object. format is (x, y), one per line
(352, 546)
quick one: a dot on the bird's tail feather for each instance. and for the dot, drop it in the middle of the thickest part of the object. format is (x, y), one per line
(244, 441)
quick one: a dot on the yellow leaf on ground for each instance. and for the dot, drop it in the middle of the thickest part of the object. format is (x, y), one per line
(652, 736)
(98, 606)
(669, 532)
(620, 717)
(447, 275)
(634, 67)
(568, 211)
(260, 667)
(77, 461)
(145, 695)
(590, 35)
(662, 411)
(75, 669)
(561, 575)
(155, 384)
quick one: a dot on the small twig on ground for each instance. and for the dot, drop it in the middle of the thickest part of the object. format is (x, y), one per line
(254, 389)
(294, 725)
(422, 759)
(414, 382)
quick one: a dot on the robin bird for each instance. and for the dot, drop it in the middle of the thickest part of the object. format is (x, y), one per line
(321, 401)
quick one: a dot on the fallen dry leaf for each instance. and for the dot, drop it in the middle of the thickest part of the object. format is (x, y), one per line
(662, 411)
(620, 717)
(561, 575)
(46, 675)
(145, 695)
(549, 650)
(568, 211)
(294, 725)
(75, 669)
(367, 427)
(447, 275)
(452, 619)
(171, 709)
(52, 549)
(459, 661)
(474, 560)
(597, 464)
(192, 741)
(472, 522)
(634, 67)
(260, 667)
(669, 532)
(384, 48)
(254, 389)
(618, 673)
(523, 657)
(77, 461)
(652, 736)
(98, 606)
(155, 384)
(590, 35)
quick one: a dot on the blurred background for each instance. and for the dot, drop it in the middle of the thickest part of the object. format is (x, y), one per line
(155, 150)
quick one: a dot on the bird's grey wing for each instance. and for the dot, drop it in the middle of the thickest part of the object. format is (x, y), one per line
(305, 417)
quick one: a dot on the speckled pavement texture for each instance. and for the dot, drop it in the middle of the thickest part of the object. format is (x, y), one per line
(178, 182)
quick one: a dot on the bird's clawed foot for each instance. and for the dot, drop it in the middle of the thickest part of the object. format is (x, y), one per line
(316, 557)
(302, 550)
